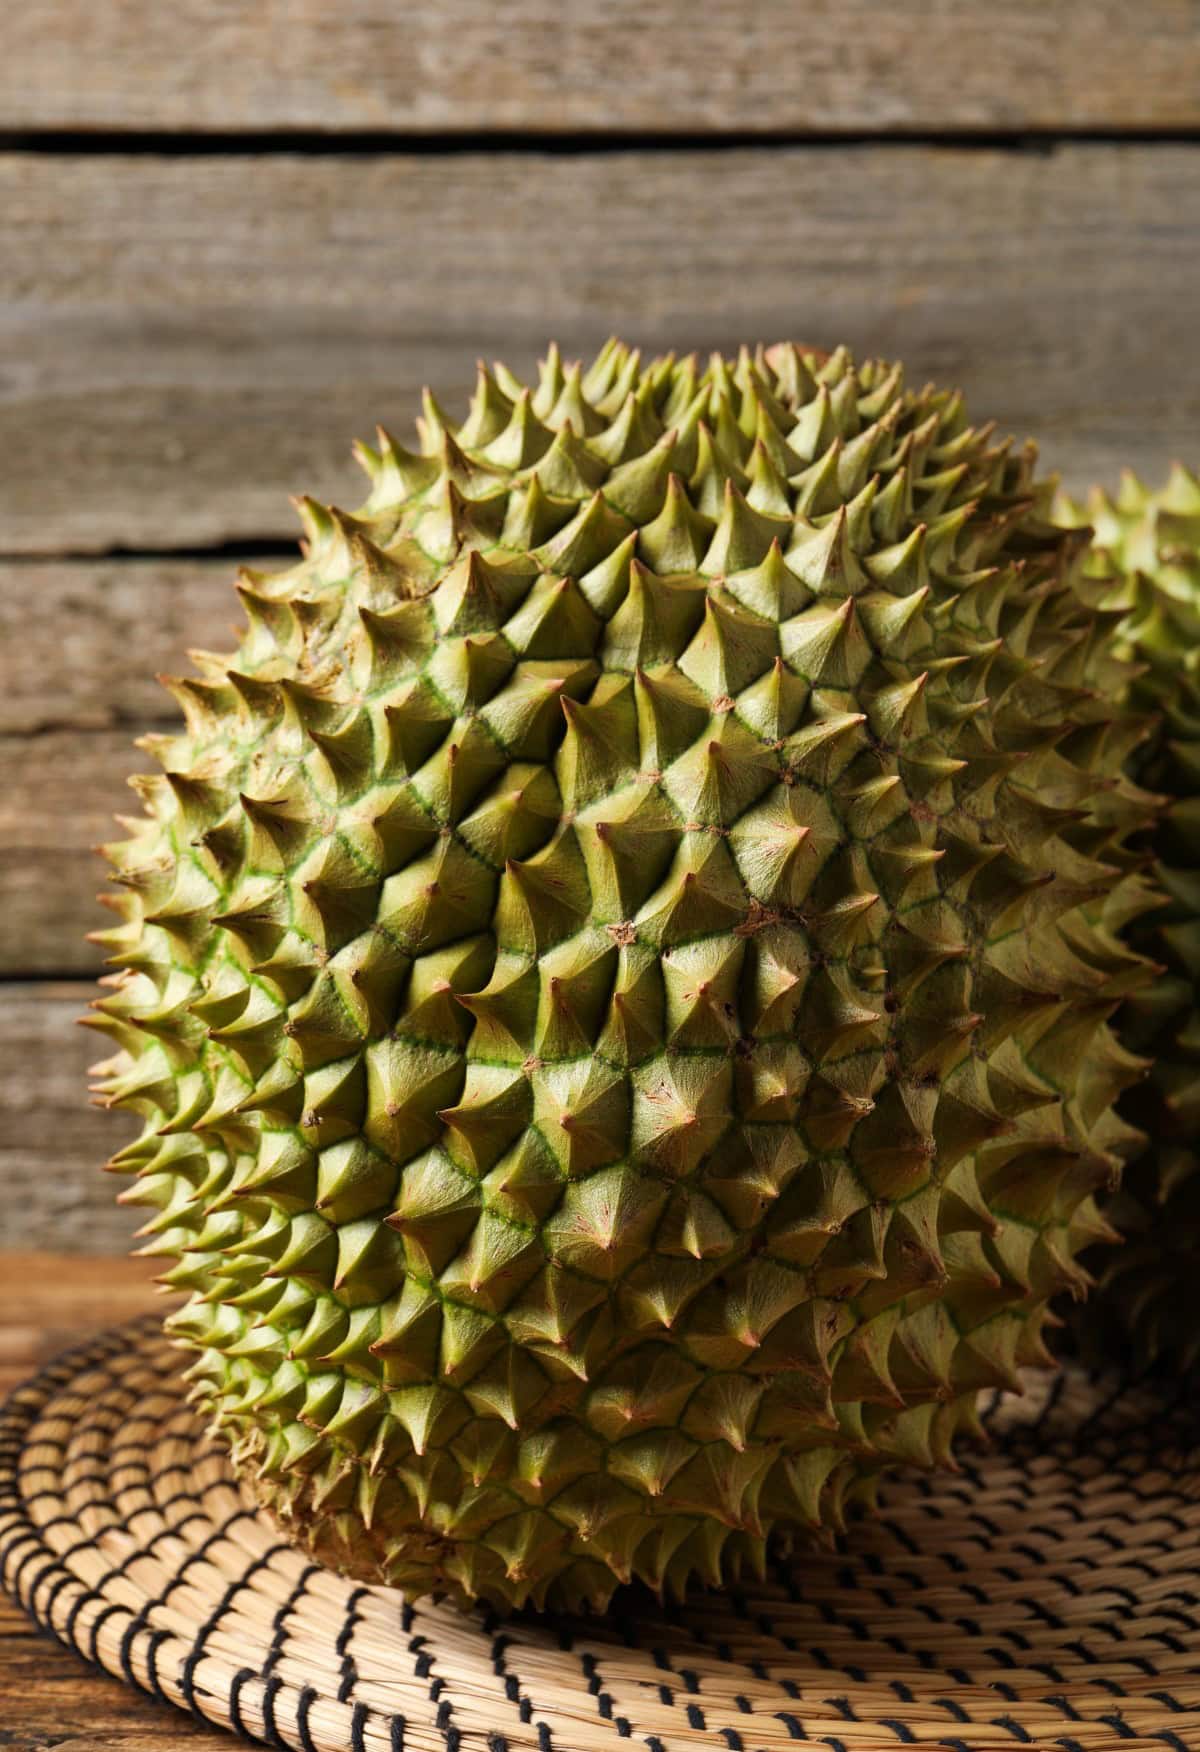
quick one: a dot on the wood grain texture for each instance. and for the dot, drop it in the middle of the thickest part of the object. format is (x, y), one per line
(53, 1701)
(58, 794)
(186, 340)
(52, 1141)
(81, 642)
(49, 1696)
(51, 1300)
(77, 685)
(800, 65)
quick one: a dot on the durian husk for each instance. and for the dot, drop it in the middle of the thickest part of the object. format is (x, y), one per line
(616, 970)
(1147, 541)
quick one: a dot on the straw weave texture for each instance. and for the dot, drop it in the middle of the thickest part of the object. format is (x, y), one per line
(1048, 1595)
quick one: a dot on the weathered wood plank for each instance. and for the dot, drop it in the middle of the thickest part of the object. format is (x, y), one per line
(190, 338)
(52, 1141)
(82, 641)
(52, 1698)
(80, 645)
(825, 65)
(52, 1299)
(58, 794)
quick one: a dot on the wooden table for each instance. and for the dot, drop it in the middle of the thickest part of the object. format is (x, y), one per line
(50, 1696)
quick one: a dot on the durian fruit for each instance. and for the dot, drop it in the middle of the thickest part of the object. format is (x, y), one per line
(1148, 542)
(616, 972)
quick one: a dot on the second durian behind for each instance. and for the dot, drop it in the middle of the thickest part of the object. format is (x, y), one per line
(616, 972)
(1147, 544)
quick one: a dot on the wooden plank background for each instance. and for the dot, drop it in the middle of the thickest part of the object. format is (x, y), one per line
(191, 338)
(547, 65)
(219, 266)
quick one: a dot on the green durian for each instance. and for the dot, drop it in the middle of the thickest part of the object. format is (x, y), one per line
(616, 972)
(1148, 544)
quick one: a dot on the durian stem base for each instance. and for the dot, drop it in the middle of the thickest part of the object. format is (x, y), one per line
(1043, 1595)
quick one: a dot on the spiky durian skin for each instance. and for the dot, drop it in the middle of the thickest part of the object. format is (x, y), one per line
(616, 972)
(1148, 543)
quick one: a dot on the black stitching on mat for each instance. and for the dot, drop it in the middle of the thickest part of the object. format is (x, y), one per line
(172, 1532)
(16, 1581)
(110, 1611)
(349, 1671)
(151, 1663)
(119, 1569)
(44, 1612)
(125, 1648)
(28, 1595)
(396, 1727)
(157, 1638)
(205, 1630)
(187, 1676)
(358, 1722)
(307, 1698)
(271, 1690)
(47, 1527)
(240, 1679)
(219, 1532)
(279, 1624)
(1013, 1727)
(792, 1724)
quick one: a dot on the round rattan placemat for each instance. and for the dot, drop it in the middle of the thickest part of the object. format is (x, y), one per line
(1047, 1595)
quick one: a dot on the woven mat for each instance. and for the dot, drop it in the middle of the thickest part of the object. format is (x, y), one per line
(1046, 1595)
